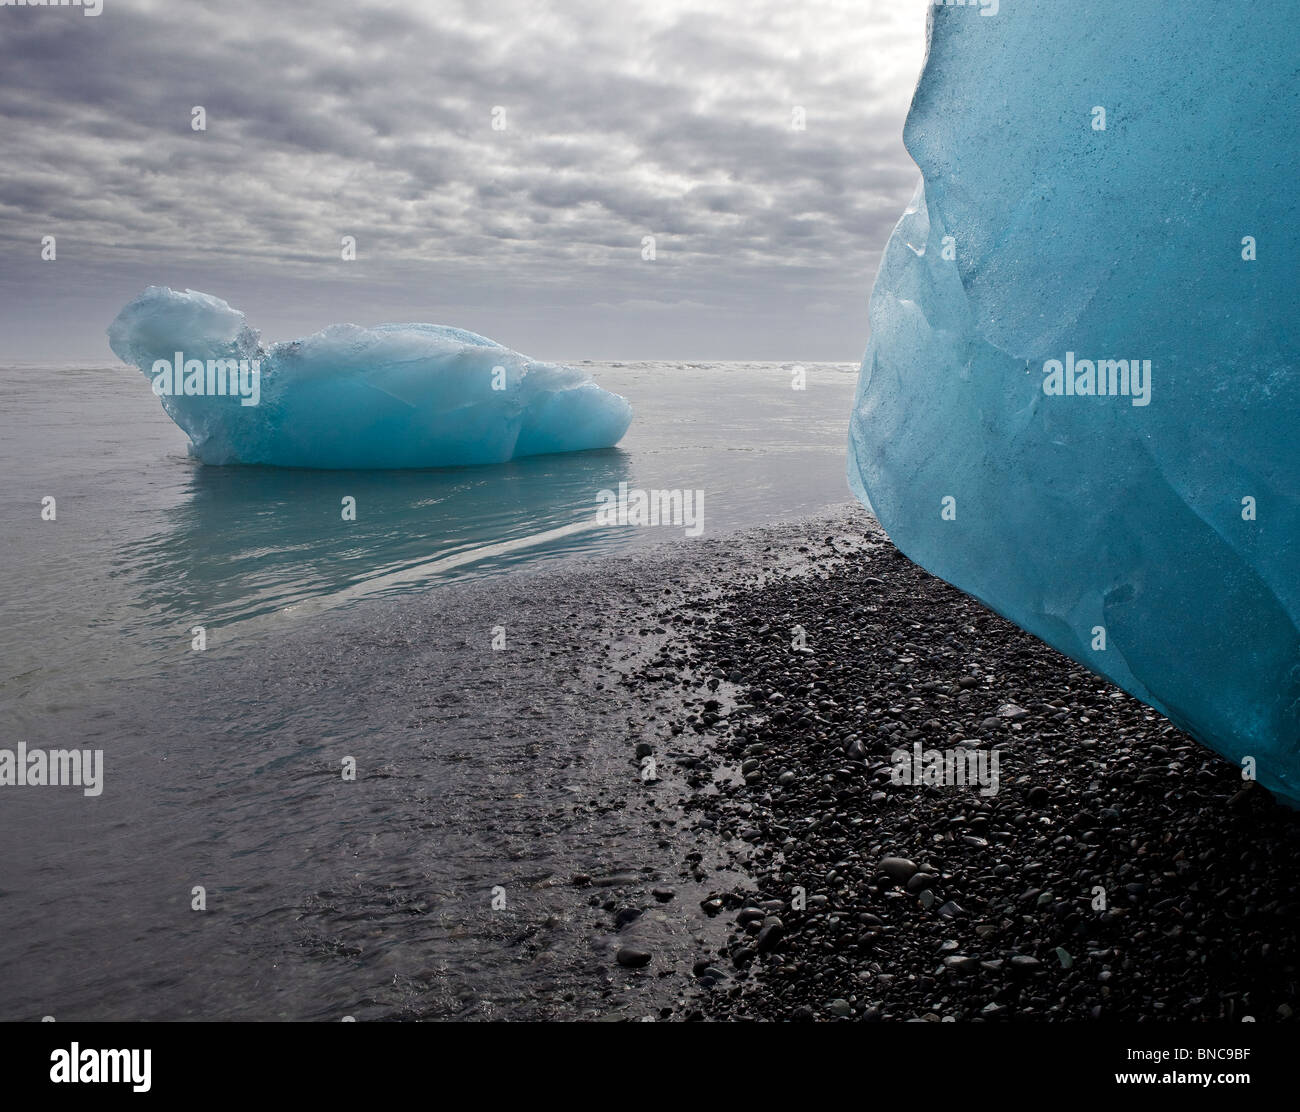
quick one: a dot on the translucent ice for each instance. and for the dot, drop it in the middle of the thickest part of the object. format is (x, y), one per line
(400, 395)
(1081, 398)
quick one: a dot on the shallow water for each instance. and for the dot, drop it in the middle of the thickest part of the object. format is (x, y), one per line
(148, 544)
(476, 769)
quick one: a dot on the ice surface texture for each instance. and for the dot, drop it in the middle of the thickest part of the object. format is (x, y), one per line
(1169, 532)
(400, 395)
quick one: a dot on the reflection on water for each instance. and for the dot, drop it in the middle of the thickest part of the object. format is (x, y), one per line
(330, 897)
(148, 544)
(251, 541)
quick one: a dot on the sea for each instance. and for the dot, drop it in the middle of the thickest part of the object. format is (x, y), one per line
(169, 613)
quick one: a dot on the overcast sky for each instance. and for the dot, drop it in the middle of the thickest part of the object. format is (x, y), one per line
(670, 118)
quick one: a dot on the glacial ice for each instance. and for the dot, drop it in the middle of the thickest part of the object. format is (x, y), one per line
(395, 396)
(1106, 181)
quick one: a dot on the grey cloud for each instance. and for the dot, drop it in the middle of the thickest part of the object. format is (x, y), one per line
(374, 119)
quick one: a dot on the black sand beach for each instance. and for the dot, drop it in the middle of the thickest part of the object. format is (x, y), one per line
(612, 817)
(944, 903)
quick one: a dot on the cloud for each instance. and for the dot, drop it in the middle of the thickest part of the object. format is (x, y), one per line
(376, 120)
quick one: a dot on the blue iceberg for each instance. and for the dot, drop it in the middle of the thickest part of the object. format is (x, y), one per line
(396, 396)
(1081, 396)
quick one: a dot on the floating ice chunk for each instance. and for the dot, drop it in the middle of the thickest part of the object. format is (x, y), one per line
(400, 395)
(1082, 391)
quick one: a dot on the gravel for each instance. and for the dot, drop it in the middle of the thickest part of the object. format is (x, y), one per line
(1120, 871)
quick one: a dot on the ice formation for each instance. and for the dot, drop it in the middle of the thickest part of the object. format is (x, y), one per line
(1081, 396)
(400, 395)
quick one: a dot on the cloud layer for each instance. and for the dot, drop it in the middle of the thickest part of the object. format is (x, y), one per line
(613, 121)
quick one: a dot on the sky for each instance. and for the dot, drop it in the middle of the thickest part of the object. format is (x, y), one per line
(499, 163)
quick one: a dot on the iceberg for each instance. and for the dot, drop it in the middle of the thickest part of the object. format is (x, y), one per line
(395, 396)
(1081, 395)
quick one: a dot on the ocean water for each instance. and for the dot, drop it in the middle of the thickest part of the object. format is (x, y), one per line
(366, 639)
(147, 544)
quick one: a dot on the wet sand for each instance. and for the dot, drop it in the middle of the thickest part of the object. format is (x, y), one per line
(652, 800)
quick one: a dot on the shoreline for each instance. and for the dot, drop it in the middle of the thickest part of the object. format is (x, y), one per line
(518, 776)
(1121, 870)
